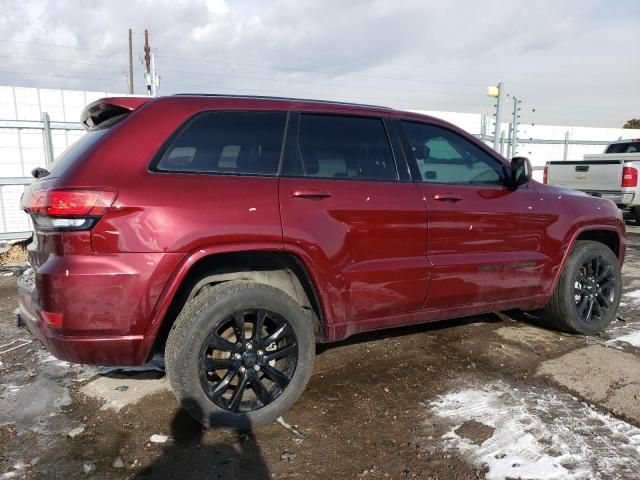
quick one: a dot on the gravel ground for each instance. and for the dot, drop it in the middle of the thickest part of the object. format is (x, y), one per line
(493, 396)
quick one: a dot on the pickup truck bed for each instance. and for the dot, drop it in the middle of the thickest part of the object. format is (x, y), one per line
(612, 175)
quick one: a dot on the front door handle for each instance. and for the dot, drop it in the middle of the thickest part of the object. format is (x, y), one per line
(311, 193)
(447, 197)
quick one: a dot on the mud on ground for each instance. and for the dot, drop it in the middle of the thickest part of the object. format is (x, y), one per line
(493, 396)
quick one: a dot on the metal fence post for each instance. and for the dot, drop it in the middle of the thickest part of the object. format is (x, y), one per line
(48, 141)
(502, 142)
(566, 145)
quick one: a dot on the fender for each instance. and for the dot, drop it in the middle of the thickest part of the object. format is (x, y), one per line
(190, 259)
(571, 242)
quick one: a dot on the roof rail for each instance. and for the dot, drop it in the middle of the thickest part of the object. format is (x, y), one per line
(290, 99)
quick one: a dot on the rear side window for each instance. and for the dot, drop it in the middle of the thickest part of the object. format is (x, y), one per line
(626, 147)
(346, 147)
(76, 151)
(227, 142)
(443, 156)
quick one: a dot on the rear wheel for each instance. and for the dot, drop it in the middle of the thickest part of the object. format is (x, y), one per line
(635, 212)
(587, 295)
(240, 354)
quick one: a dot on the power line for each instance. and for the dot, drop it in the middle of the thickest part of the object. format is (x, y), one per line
(248, 77)
(37, 44)
(326, 72)
(73, 62)
(41, 74)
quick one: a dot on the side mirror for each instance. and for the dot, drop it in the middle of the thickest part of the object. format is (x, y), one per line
(520, 171)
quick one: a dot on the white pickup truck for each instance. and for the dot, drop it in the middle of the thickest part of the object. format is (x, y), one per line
(612, 174)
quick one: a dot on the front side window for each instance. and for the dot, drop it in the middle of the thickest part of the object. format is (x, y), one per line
(446, 157)
(345, 147)
(227, 142)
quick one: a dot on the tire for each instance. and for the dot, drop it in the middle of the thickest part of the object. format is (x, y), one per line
(635, 212)
(207, 339)
(569, 307)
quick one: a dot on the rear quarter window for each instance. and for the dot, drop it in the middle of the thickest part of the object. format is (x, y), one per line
(76, 151)
(226, 142)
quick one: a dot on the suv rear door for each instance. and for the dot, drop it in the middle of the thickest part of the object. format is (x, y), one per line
(342, 203)
(484, 238)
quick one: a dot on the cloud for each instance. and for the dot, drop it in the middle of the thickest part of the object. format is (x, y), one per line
(575, 62)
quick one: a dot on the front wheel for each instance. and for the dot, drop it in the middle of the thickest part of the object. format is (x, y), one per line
(239, 355)
(587, 295)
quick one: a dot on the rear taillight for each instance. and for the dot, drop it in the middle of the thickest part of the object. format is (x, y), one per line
(544, 174)
(68, 209)
(629, 177)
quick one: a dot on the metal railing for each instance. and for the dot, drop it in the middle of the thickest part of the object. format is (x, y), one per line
(46, 126)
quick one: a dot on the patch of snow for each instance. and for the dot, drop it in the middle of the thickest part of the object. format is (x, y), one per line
(632, 339)
(539, 434)
(158, 438)
(51, 360)
(634, 297)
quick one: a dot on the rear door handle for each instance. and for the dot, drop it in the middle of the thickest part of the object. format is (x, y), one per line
(447, 197)
(311, 193)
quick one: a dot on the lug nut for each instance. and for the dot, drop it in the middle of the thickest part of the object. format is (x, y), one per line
(242, 369)
(237, 356)
(249, 346)
(260, 352)
(256, 368)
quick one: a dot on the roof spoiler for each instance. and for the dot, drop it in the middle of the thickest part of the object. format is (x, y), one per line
(97, 113)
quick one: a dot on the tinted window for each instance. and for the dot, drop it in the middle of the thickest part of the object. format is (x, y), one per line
(445, 157)
(345, 147)
(627, 147)
(75, 152)
(227, 142)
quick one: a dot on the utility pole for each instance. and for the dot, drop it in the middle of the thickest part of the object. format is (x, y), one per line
(514, 122)
(130, 62)
(499, 100)
(150, 77)
(154, 77)
(147, 62)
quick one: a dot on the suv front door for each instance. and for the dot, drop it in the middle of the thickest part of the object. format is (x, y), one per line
(342, 203)
(483, 236)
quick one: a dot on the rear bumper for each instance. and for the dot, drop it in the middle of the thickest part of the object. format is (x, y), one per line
(95, 350)
(620, 198)
(106, 304)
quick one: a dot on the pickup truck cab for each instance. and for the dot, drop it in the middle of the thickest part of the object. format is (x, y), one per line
(612, 175)
(233, 233)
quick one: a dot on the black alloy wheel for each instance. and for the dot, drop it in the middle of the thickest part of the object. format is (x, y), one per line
(248, 360)
(594, 288)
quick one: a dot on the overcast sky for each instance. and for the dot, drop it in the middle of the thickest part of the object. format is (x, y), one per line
(574, 62)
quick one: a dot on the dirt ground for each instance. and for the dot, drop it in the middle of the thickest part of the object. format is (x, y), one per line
(493, 396)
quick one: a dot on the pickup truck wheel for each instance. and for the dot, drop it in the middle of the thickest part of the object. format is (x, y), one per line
(635, 211)
(586, 298)
(239, 355)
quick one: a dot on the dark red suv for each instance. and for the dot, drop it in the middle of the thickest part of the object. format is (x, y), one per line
(233, 233)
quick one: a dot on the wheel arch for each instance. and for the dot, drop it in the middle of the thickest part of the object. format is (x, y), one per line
(276, 267)
(606, 234)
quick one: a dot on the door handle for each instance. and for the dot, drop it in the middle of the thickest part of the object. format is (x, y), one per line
(447, 197)
(311, 193)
